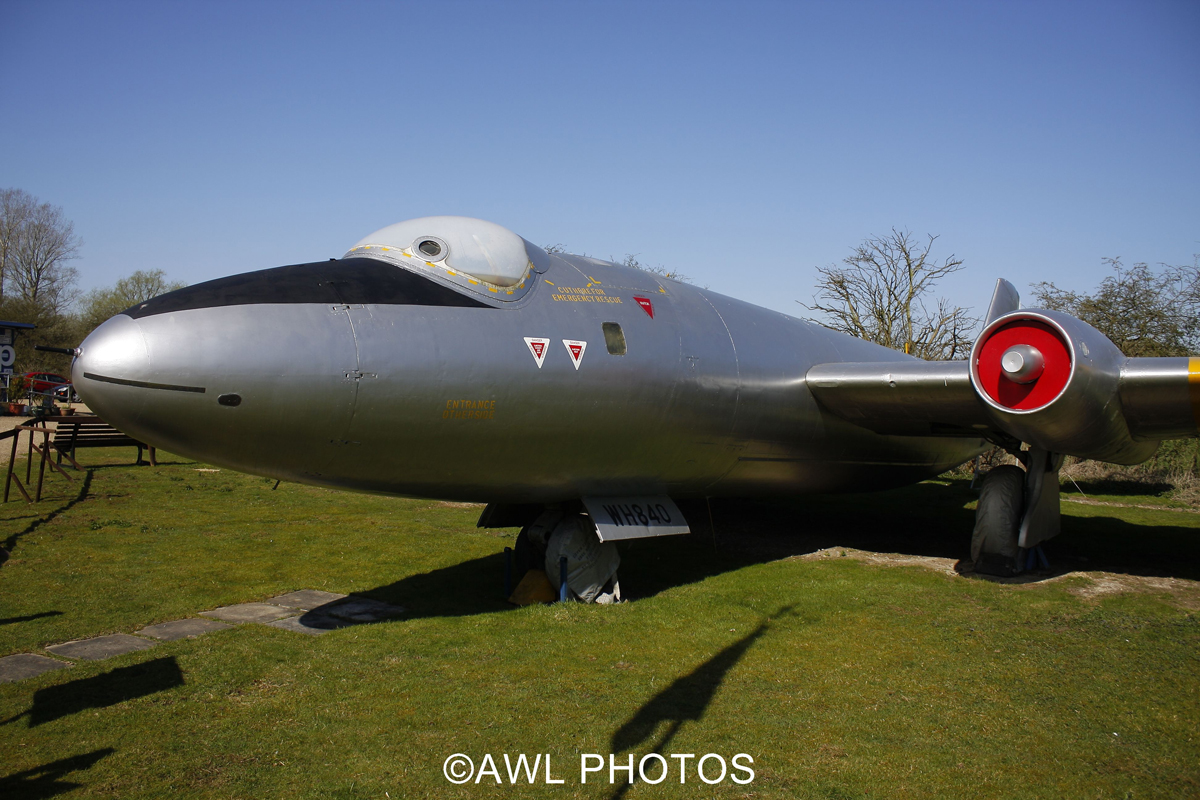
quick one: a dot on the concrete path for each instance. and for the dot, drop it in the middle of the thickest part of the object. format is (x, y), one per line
(100, 648)
(7, 423)
(27, 665)
(307, 611)
(10, 422)
(182, 629)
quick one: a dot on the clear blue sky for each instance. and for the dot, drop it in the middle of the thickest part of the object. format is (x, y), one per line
(742, 143)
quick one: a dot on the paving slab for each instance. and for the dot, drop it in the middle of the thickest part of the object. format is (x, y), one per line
(313, 623)
(250, 612)
(307, 599)
(101, 647)
(339, 614)
(27, 665)
(362, 609)
(182, 629)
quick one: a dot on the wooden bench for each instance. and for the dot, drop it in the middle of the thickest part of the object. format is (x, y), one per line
(84, 430)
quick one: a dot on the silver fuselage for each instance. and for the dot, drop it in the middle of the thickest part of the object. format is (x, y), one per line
(449, 402)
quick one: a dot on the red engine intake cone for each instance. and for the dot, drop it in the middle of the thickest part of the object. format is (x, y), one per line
(1024, 364)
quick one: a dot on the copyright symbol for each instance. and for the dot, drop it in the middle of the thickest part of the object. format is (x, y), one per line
(458, 768)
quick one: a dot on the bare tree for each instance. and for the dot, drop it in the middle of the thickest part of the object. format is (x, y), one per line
(880, 293)
(100, 304)
(38, 241)
(15, 206)
(1145, 313)
(631, 260)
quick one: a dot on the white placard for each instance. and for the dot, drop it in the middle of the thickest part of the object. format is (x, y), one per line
(635, 517)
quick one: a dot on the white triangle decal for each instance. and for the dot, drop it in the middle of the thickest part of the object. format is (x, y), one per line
(575, 348)
(538, 347)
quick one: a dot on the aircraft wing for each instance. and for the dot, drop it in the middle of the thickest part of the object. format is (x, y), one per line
(1034, 376)
(906, 398)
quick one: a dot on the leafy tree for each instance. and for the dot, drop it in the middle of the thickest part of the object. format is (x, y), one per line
(1144, 312)
(100, 304)
(880, 292)
(52, 328)
(37, 285)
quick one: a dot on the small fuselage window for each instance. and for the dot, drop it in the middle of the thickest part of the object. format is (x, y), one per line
(614, 339)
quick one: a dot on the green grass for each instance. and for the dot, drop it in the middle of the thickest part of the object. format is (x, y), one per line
(1142, 492)
(841, 679)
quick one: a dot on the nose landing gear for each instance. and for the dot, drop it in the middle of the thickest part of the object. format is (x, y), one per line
(559, 541)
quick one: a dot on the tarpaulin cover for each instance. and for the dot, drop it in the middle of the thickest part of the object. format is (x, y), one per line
(591, 564)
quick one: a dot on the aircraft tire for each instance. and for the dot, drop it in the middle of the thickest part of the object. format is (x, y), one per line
(527, 555)
(994, 546)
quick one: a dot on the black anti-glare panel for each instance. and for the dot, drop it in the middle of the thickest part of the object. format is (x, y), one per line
(338, 282)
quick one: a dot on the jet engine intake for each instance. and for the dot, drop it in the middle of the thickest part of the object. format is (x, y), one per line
(1055, 382)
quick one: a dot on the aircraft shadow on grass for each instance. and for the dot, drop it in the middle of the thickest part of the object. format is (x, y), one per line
(925, 520)
(48, 779)
(726, 536)
(476, 586)
(933, 520)
(101, 691)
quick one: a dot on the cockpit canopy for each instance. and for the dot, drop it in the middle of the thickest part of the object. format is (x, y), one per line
(488, 256)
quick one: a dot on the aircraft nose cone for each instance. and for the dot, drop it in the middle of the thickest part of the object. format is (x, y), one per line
(111, 358)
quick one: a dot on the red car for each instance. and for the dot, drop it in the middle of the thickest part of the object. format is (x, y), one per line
(44, 381)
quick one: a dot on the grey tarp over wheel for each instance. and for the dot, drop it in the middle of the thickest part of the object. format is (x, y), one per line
(591, 564)
(994, 546)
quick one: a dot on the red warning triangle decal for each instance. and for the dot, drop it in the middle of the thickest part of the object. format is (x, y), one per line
(646, 305)
(575, 348)
(538, 348)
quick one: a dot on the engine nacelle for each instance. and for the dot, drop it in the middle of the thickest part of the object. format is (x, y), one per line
(1054, 381)
(1041, 377)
